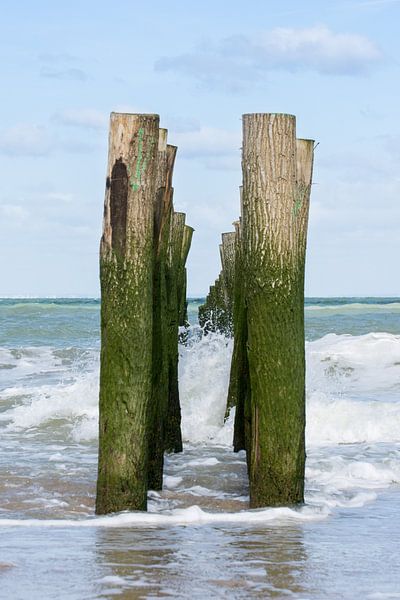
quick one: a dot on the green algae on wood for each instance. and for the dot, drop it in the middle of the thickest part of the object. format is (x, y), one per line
(126, 277)
(173, 433)
(274, 244)
(239, 386)
(160, 358)
(215, 314)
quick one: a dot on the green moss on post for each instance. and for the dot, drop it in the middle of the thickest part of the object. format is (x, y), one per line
(274, 269)
(160, 373)
(126, 276)
(228, 253)
(173, 434)
(239, 385)
(215, 314)
(182, 275)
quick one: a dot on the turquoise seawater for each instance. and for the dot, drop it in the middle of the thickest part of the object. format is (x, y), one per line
(62, 322)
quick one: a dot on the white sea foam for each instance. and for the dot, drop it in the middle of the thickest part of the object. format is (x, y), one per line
(353, 391)
(338, 475)
(22, 362)
(349, 363)
(203, 379)
(353, 433)
(180, 516)
(76, 402)
(340, 420)
(203, 462)
(170, 481)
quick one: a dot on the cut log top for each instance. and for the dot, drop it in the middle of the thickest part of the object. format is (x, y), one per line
(133, 146)
(269, 186)
(126, 114)
(246, 115)
(122, 129)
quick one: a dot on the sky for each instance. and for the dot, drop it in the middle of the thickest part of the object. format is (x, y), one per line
(200, 65)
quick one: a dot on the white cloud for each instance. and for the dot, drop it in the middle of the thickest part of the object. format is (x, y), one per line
(88, 118)
(207, 142)
(25, 140)
(59, 197)
(239, 59)
(14, 212)
(319, 49)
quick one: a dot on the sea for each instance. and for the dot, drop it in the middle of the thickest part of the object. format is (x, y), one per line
(199, 539)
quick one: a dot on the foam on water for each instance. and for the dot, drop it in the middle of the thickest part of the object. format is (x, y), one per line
(353, 436)
(75, 402)
(349, 363)
(203, 380)
(199, 528)
(186, 516)
(353, 391)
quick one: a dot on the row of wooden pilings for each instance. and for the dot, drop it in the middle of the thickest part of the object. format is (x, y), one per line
(143, 252)
(258, 298)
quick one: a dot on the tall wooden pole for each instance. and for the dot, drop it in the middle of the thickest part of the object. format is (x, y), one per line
(182, 278)
(227, 251)
(274, 267)
(173, 434)
(305, 163)
(160, 378)
(239, 386)
(126, 276)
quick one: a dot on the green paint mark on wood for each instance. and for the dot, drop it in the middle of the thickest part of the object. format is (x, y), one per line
(301, 194)
(135, 178)
(297, 206)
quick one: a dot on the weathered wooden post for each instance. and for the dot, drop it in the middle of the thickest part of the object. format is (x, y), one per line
(160, 378)
(216, 312)
(126, 276)
(182, 278)
(305, 163)
(274, 269)
(227, 251)
(173, 434)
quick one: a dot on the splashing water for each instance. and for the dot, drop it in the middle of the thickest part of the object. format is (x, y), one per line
(48, 441)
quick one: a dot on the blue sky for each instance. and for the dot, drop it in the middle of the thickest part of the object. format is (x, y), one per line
(66, 66)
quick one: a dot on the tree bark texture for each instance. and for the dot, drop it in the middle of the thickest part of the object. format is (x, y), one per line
(239, 385)
(228, 251)
(273, 237)
(173, 434)
(160, 362)
(214, 314)
(126, 276)
(182, 275)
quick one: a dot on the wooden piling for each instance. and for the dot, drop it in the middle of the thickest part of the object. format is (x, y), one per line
(274, 272)
(160, 361)
(239, 387)
(227, 251)
(173, 433)
(216, 312)
(126, 276)
(182, 276)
